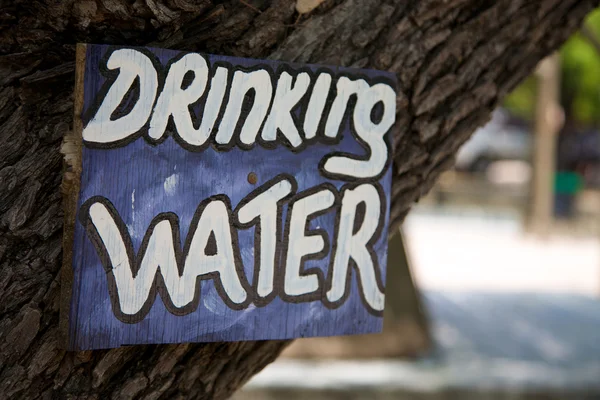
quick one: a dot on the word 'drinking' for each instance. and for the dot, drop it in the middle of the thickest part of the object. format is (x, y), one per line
(221, 92)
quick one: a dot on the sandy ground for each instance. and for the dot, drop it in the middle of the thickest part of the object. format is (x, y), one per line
(490, 252)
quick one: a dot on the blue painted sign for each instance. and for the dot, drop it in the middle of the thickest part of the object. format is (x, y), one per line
(226, 199)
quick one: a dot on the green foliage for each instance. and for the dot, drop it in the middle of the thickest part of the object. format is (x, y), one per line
(521, 101)
(581, 74)
(580, 85)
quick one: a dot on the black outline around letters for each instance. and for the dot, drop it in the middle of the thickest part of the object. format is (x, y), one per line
(352, 266)
(318, 294)
(111, 76)
(181, 252)
(158, 286)
(258, 300)
(180, 255)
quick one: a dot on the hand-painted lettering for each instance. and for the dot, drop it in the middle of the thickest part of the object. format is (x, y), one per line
(255, 105)
(162, 265)
(224, 198)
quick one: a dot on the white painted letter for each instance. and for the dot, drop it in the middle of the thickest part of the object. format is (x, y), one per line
(159, 256)
(372, 134)
(300, 245)
(284, 101)
(218, 85)
(344, 89)
(215, 218)
(174, 100)
(355, 246)
(132, 64)
(133, 291)
(243, 82)
(316, 105)
(263, 209)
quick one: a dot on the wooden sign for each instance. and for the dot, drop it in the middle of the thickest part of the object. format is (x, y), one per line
(212, 198)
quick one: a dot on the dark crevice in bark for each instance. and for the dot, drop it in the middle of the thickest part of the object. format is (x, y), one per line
(455, 60)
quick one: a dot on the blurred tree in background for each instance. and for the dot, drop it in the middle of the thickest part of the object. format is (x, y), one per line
(580, 80)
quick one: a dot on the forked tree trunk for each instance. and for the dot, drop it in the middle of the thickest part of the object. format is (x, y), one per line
(455, 60)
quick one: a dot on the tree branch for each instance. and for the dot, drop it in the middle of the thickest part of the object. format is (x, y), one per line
(455, 60)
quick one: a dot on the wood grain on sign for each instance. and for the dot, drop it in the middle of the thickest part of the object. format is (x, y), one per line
(211, 198)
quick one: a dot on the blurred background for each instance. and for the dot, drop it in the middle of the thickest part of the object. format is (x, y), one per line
(493, 287)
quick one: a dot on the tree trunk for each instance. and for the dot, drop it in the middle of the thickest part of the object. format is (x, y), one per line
(455, 60)
(548, 122)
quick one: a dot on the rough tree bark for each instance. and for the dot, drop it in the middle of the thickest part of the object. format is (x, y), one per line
(455, 60)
